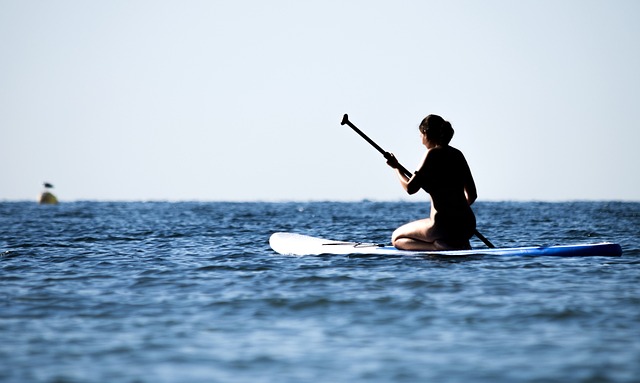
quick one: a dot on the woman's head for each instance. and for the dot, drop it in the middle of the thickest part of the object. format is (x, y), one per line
(436, 129)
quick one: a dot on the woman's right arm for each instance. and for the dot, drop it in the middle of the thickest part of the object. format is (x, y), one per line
(470, 191)
(469, 184)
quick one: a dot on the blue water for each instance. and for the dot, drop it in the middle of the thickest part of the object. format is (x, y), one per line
(191, 292)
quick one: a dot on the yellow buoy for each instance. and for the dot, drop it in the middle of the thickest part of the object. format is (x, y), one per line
(46, 197)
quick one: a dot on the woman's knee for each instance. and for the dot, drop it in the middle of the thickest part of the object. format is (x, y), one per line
(397, 233)
(412, 230)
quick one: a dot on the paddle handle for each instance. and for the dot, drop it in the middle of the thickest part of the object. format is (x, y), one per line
(402, 169)
(387, 155)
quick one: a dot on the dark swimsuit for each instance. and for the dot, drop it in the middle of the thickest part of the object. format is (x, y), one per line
(444, 174)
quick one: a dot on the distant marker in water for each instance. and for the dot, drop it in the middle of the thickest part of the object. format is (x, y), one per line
(46, 197)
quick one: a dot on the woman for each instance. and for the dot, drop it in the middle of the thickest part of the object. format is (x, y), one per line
(445, 175)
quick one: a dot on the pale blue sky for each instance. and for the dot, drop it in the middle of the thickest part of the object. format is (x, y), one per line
(242, 100)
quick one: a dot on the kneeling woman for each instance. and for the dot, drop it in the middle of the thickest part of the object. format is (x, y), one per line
(445, 175)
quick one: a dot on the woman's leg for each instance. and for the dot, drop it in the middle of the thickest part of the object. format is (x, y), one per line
(415, 235)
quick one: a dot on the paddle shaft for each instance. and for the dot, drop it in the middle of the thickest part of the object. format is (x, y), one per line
(387, 155)
(402, 169)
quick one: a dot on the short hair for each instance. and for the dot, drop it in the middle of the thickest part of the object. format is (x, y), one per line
(437, 129)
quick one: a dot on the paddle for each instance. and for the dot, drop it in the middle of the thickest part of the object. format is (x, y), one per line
(403, 170)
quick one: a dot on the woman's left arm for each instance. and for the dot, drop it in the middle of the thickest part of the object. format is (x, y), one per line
(416, 182)
(410, 185)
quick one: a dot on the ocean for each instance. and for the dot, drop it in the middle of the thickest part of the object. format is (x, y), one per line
(191, 292)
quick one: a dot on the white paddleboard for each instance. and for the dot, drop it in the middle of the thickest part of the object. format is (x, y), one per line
(298, 244)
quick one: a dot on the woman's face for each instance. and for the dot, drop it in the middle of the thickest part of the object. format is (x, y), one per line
(426, 142)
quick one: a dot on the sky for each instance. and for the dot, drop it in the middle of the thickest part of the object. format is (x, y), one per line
(242, 100)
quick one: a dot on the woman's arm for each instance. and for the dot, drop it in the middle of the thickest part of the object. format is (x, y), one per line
(410, 185)
(469, 185)
(470, 191)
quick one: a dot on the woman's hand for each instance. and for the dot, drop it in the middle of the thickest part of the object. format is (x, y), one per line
(391, 160)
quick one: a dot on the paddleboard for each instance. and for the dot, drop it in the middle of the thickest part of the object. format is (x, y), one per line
(299, 244)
